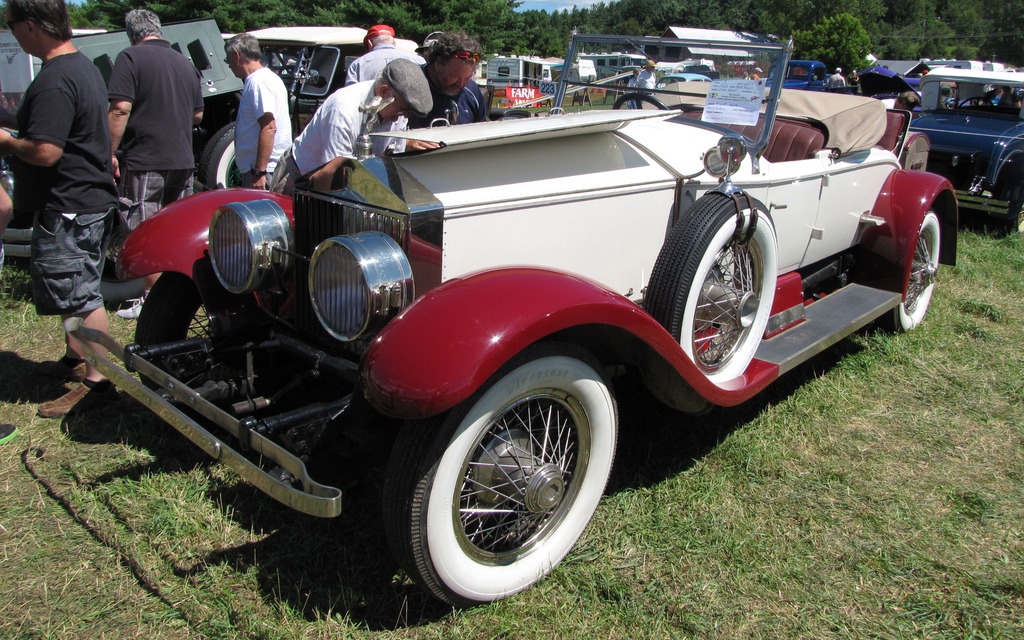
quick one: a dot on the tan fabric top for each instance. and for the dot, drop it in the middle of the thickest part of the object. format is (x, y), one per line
(853, 123)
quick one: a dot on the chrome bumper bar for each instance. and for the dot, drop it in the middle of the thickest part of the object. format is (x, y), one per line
(313, 498)
(990, 206)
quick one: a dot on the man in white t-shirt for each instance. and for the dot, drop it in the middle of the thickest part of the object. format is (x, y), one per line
(380, 44)
(263, 128)
(332, 133)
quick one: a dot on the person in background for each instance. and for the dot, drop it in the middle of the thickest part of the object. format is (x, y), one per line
(908, 101)
(646, 79)
(332, 133)
(631, 85)
(836, 80)
(155, 100)
(6, 214)
(263, 128)
(380, 45)
(452, 61)
(61, 160)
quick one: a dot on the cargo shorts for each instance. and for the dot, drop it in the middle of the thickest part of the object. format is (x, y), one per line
(68, 252)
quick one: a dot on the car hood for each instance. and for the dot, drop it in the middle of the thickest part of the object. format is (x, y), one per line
(968, 130)
(879, 80)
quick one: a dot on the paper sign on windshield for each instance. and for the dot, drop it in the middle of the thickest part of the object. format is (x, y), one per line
(734, 102)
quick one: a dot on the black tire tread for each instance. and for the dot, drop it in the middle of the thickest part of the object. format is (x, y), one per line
(680, 255)
(169, 310)
(212, 152)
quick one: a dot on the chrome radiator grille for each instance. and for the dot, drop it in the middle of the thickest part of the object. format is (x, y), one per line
(320, 216)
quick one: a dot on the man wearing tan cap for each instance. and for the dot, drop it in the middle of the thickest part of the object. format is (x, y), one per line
(646, 78)
(332, 133)
(380, 42)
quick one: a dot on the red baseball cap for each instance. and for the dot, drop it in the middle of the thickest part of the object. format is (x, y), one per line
(377, 30)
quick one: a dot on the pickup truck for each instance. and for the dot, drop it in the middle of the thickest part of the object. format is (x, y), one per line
(808, 75)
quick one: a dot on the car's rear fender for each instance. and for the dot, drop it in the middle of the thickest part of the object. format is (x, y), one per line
(441, 349)
(887, 250)
(176, 237)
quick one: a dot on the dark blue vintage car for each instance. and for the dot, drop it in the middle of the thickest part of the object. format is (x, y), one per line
(976, 127)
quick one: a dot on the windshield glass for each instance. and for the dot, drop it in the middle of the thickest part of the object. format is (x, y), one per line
(734, 85)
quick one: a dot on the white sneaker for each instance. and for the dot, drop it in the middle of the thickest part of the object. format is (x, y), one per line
(132, 311)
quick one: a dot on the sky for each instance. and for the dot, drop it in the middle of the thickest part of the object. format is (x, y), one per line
(557, 5)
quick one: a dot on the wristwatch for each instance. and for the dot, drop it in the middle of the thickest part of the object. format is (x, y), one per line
(259, 173)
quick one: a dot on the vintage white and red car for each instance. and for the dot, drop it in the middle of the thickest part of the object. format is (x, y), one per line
(483, 293)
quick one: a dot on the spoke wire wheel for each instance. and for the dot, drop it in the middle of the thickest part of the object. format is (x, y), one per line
(923, 270)
(486, 500)
(712, 292)
(725, 304)
(517, 481)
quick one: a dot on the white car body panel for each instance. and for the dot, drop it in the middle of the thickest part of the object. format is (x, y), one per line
(579, 172)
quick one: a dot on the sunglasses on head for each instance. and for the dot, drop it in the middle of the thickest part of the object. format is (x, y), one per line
(462, 54)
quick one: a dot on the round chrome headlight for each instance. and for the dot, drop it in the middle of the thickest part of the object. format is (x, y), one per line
(359, 282)
(725, 158)
(248, 240)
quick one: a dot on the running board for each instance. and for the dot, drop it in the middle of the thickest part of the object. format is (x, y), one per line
(828, 321)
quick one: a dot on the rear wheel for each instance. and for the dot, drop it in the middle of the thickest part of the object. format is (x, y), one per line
(485, 500)
(921, 283)
(712, 287)
(217, 168)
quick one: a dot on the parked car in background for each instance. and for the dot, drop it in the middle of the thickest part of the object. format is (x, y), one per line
(483, 295)
(671, 78)
(976, 127)
(885, 84)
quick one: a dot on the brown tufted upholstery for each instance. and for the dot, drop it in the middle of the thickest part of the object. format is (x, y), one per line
(790, 139)
(895, 125)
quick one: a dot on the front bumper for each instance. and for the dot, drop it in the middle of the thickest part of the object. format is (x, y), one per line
(313, 498)
(988, 205)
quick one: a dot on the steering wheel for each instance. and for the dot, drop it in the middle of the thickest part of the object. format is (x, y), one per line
(980, 101)
(638, 97)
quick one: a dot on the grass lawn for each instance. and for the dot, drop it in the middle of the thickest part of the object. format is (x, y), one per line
(877, 491)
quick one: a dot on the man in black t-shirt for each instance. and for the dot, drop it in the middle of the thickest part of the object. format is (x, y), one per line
(61, 163)
(155, 100)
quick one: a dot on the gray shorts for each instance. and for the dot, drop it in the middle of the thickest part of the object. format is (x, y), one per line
(143, 193)
(287, 172)
(67, 261)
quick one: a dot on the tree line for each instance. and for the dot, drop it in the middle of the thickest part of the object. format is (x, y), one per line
(836, 31)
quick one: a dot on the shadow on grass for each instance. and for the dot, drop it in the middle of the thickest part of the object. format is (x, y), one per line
(24, 381)
(342, 568)
(657, 442)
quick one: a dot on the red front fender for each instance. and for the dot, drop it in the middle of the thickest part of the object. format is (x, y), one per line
(175, 238)
(441, 349)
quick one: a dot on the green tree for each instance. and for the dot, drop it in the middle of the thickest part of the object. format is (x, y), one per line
(837, 41)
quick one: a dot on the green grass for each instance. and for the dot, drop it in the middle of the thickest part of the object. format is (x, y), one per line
(877, 491)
